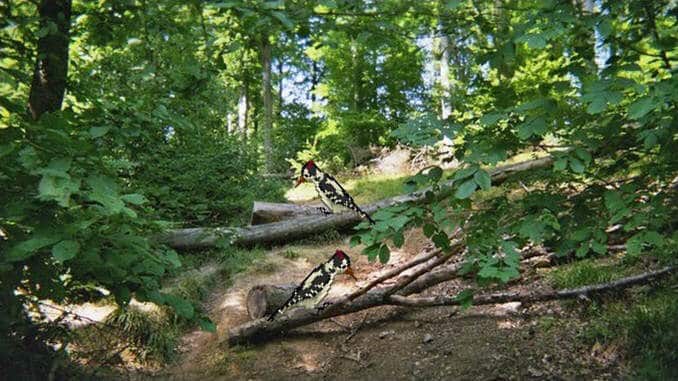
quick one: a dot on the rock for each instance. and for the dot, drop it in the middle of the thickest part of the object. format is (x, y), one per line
(383, 334)
(417, 324)
(428, 338)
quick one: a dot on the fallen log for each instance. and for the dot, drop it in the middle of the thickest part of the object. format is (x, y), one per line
(259, 329)
(267, 212)
(263, 300)
(285, 231)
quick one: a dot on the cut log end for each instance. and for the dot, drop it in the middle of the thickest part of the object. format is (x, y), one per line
(263, 300)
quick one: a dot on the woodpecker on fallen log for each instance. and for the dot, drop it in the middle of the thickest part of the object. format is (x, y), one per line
(332, 194)
(315, 287)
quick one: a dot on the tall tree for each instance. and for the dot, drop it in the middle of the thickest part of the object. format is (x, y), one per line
(268, 101)
(51, 64)
(444, 47)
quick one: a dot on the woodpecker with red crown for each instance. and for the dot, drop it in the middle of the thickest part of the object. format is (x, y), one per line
(332, 194)
(315, 287)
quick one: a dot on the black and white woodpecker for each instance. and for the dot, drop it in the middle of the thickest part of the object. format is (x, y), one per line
(332, 194)
(315, 287)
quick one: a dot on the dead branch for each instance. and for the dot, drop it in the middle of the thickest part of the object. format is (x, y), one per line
(531, 296)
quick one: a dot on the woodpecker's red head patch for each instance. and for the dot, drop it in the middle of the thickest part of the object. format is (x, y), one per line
(340, 254)
(309, 164)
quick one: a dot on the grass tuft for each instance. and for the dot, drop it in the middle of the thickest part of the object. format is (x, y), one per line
(585, 272)
(647, 329)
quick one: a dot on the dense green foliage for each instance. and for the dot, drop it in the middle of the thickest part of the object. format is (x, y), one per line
(163, 124)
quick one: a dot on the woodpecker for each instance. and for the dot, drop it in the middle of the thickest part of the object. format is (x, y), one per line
(332, 194)
(315, 287)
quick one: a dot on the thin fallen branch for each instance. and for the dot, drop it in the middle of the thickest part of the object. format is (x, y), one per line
(288, 230)
(456, 248)
(531, 296)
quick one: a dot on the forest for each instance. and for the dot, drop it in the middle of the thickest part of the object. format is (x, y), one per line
(509, 165)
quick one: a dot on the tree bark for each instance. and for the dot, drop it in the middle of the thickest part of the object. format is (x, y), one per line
(444, 46)
(243, 109)
(263, 300)
(51, 64)
(268, 103)
(267, 212)
(286, 231)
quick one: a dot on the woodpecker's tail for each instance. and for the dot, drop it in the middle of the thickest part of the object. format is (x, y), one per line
(273, 314)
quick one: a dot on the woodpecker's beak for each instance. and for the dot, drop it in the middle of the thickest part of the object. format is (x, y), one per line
(299, 181)
(349, 272)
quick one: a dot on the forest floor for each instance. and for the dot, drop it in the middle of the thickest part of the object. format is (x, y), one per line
(503, 342)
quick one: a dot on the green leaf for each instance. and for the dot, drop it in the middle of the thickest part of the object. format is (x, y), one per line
(465, 298)
(583, 154)
(105, 191)
(641, 107)
(599, 248)
(173, 258)
(181, 306)
(355, 240)
(384, 254)
(134, 198)
(429, 229)
(97, 132)
(533, 41)
(464, 173)
(65, 250)
(398, 239)
(560, 164)
(435, 173)
(482, 178)
(282, 17)
(576, 165)
(466, 189)
(441, 240)
(634, 245)
(452, 4)
(535, 126)
(207, 325)
(491, 119)
(28, 248)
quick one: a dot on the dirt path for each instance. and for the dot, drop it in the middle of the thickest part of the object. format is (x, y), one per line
(503, 342)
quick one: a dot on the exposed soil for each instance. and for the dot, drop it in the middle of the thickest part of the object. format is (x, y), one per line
(504, 342)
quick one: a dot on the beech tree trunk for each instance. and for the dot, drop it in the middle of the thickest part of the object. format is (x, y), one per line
(263, 300)
(51, 64)
(243, 110)
(286, 231)
(268, 103)
(444, 46)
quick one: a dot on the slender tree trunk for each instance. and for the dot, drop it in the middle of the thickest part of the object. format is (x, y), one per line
(51, 65)
(243, 109)
(281, 82)
(444, 44)
(315, 79)
(356, 75)
(229, 123)
(268, 103)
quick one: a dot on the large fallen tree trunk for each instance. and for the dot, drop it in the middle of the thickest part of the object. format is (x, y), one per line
(285, 231)
(267, 212)
(260, 329)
